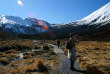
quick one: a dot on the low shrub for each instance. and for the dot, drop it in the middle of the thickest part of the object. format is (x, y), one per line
(27, 56)
(52, 52)
(94, 70)
(4, 61)
(36, 66)
(45, 47)
(41, 66)
(1, 53)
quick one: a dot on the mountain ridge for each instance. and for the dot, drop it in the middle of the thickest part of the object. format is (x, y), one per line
(98, 21)
(18, 25)
(99, 16)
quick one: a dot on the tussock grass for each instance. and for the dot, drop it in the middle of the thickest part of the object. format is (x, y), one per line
(94, 53)
(15, 71)
(52, 52)
(15, 44)
(31, 63)
(45, 47)
(84, 64)
(66, 51)
(80, 59)
(1, 53)
(11, 51)
(27, 56)
(4, 61)
(36, 46)
(94, 70)
(37, 65)
(11, 55)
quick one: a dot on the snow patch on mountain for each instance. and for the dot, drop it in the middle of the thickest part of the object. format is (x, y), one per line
(20, 25)
(99, 16)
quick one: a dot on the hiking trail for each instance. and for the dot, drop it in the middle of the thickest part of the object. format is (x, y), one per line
(64, 64)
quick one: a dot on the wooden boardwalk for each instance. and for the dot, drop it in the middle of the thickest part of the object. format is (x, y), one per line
(64, 64)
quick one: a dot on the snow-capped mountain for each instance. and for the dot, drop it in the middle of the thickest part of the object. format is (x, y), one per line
(99, 16)
(25, 26)
(95, 22)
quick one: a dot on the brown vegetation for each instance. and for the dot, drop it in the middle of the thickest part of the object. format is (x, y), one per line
(34, 61)
(45, 47)
(94, 53)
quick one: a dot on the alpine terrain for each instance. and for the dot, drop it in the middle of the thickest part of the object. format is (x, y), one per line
(98, 21)
(24, 26)
(95, 25)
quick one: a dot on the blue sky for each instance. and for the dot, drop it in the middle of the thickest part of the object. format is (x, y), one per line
(52, 11)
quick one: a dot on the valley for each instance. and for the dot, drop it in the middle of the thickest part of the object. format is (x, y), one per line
(28, 45)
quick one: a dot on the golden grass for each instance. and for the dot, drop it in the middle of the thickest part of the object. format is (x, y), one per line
(22, 43)
(12, 51)
(66, 51)
(54, 61)
(84, 64)
(1, 59)
(80, 59)
(52, 52)
(9, 55)
(16, 71)
(13, 72)
(27, 56)
(31, 63)
(1, 53)
(94, 53)
(40, 65)
(25, 61)
(37, 65)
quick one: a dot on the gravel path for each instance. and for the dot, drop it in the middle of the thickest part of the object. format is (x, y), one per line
(63, 66)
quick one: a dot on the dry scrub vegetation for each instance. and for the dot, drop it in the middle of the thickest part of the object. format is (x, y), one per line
(15, 44)
(33, 61)
(94, 54)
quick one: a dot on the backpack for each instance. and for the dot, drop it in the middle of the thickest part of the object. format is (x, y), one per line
(69, 45)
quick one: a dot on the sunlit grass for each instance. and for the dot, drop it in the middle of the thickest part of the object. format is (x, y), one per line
(94, 53)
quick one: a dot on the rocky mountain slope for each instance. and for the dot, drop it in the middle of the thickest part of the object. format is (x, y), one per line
(98, 21)
(18, 25)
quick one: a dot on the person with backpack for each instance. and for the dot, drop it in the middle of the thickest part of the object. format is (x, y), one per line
(58, 43)
(72, 50)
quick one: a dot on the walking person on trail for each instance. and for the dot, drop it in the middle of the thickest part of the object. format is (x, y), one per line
(58, 43)
(72, 50)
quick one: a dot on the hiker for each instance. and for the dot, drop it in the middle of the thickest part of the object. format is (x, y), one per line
(58, 43)
(72, 50)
